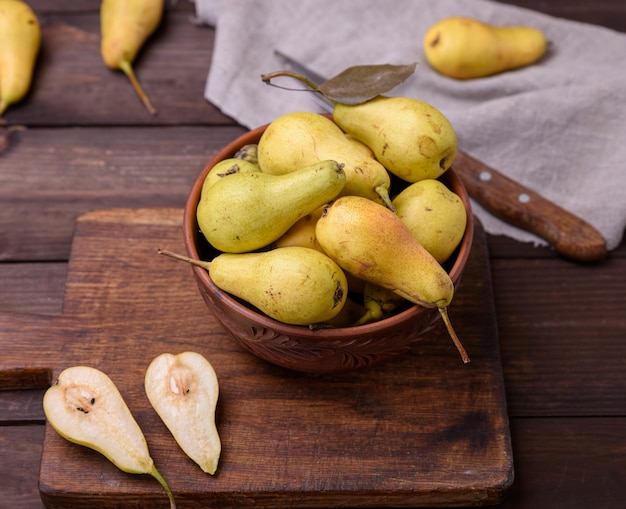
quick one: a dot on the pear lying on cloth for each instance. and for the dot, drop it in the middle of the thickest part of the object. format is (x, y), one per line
(465, 48)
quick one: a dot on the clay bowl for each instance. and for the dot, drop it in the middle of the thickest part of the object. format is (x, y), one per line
(300, 348)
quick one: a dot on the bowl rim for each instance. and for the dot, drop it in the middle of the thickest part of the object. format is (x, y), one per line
(190, 230)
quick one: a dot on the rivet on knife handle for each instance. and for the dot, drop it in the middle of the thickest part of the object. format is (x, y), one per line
(571, 236)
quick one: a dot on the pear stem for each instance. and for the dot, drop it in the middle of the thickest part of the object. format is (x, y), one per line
(128, 70)
(176, 256)
(443, 311)
(267, 78)
(155, 473)
(383, 192)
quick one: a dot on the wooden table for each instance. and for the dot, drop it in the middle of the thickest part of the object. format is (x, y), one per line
(82, 141)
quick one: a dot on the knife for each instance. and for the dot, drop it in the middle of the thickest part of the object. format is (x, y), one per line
(510, 201)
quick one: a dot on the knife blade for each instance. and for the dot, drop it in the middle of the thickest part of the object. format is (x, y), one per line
(571, 236)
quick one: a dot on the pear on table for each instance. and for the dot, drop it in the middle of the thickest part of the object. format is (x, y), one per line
(183, 389)
(125, 26)
(85, 407)
(20, 39)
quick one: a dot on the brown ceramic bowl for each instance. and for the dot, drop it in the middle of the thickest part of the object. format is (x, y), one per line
(300, 348)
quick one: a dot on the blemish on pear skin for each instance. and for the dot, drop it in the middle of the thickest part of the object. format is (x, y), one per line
(338, 297)
(435, 41)
(426, 146)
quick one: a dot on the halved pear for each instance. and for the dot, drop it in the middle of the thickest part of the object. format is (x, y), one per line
(85, 407)
(183, 389)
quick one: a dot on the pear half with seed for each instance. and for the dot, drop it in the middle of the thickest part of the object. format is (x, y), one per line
(85, 407)
(183, 389)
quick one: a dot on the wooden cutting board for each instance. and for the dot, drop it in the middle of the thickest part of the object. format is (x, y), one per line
(424, 430)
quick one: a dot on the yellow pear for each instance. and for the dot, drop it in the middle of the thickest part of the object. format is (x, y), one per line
(370, 242)
(248, 153)
(294, 285)
(225, 168)
(85, 407)
(301, 138)
(125, 26)
(435, 215)
(378, 303)
(302, 233)
(183, 389)
(465, 48)
(20, 39)
(247, 211)
(411, 138)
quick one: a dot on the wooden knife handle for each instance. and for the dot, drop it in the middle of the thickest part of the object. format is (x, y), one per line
(571, 236)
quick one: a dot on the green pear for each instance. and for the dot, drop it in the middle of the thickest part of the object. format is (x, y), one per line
(411, 138)
(435, 215)
(85, 407)
(378, 302)
(302, 138)
(125, 26)
(20, 39)
(294, 285)
(370, 242)
(183, 389)
(248, 153)
(465, 48)
(225, 168)
(248, 211)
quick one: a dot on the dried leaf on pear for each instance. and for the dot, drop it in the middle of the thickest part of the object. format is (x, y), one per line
(360, 83)
(354, 85)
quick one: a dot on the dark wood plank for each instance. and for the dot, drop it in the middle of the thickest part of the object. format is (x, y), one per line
(32, 287)
(572, 463)
(21, 406)
(19, 468)
(608, 13)
(562, 333)
(50, 176)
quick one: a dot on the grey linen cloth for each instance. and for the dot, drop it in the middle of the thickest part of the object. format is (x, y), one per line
(558, 126)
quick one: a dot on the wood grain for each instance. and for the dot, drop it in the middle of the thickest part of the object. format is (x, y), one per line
(555, 366)
(423, 431)
(50, 176)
